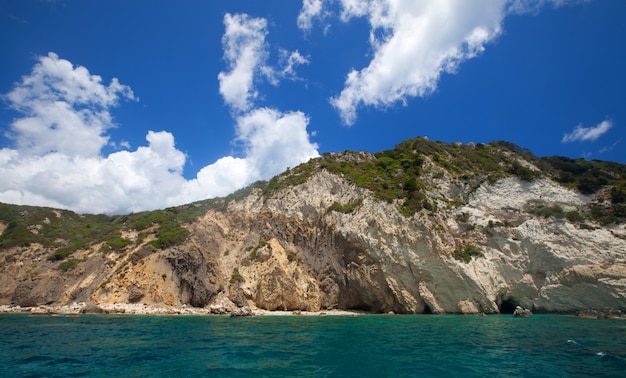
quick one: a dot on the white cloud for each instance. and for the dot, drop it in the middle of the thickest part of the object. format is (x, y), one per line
(245, 53)
(63, 104)
(582, 134)
(57, 159)
(271, 141)
(288, 61)
(311, 9)
(415, 42)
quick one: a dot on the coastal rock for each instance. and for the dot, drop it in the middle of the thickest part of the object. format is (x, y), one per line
(601, 314)
(41, 311)
(242, 312)
(522, 312)
(92, 309)
(199, 280)
(222, 306)
(135, 293)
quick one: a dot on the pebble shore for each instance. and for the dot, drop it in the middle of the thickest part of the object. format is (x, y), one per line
(142, 309)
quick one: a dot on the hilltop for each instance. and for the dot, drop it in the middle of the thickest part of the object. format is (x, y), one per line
(426, 227)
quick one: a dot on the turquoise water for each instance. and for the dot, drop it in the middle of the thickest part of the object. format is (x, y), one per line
(298, 346)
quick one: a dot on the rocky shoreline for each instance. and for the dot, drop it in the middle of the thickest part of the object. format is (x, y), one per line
(141, 309)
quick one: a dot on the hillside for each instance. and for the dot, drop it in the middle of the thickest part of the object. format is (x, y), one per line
(424, 227)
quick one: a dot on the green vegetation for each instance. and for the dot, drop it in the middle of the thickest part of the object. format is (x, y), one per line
(291, 256)
(169, 234)
(290, 177)
(236, 277)
(345, 209)
(53, 228)
(253, 250)
(61, 253)
(542, 210)
(398, 174)
(115, 243)
(465, 253)
(588, 177)
(68, 232)
(69, 264)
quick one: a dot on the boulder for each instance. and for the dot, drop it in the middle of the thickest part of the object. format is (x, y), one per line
(92, 309)
(241, 312)
(264, 253)
(605, 314)
(135, 293)
(521, 312)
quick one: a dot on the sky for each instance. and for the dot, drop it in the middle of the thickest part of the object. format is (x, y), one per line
(122, 106)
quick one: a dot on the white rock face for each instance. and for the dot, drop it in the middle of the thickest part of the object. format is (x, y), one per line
(406, 265)
(296, 250)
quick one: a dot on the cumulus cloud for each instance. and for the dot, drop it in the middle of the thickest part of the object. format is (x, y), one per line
(414, 43)
(271, 141)
(57, 161)
(582, 134)
(57, 155)
(245, 53)
(61, 104)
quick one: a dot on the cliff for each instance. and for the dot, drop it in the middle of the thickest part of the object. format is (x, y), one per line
(424, 228)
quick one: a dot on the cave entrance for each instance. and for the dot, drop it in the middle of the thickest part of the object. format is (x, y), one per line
(507, 306)
(427, 310)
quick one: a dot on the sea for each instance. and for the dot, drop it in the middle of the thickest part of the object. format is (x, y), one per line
(311, 346)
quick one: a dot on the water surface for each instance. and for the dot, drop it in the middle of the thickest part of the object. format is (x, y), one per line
(307, 346)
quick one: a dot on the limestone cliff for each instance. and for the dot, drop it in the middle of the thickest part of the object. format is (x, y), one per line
(476, 243)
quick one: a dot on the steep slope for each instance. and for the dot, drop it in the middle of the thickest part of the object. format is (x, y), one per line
(426, 227)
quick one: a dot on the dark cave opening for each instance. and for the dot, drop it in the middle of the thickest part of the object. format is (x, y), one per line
(427, 310)
(508, 306)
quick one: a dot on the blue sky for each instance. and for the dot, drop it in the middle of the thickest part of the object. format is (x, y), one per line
(119, 106)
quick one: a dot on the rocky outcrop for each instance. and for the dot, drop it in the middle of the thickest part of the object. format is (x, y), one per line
(198, 279)
(92, 309)
(522, 312)
(479, 248)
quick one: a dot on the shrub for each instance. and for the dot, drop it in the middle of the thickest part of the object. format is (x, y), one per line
(523, 173)
(345, 209)
(169, 234)
(465, 253)
(574, 216)
(69, 264)
(116, 244)
(253, 250)
(547, 211)
(236, 277)
(62, 253)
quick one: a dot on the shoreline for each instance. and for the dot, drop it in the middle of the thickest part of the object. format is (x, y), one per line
(141, 309)
(82, 308)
